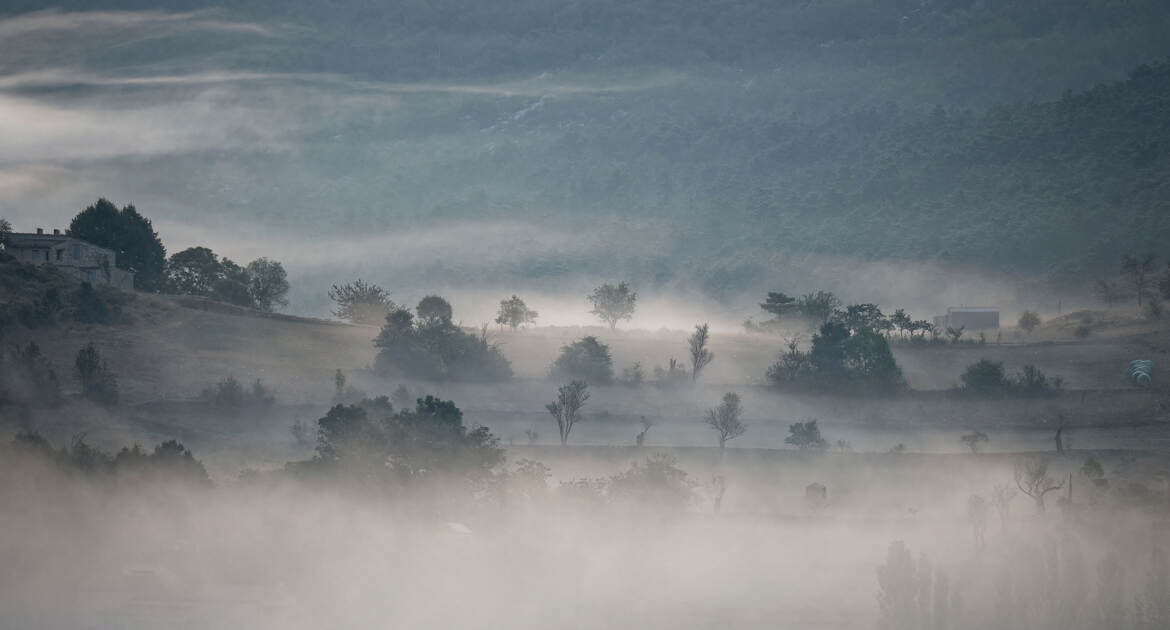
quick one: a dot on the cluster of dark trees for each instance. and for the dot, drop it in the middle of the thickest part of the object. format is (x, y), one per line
(261, 284)
(816, 308)
(428, 345)
(371, 442)
(169, 461)
(846, 356)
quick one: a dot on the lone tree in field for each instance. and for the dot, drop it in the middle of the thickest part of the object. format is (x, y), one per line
(1032, 479)
(1028, 321)
(806, 436)
(613, 304)
(973, 439)
(5, 230)
(1139, 274)
(700, 355)
(725, 419)
(514, 313)
(570, 399)
(360, 302)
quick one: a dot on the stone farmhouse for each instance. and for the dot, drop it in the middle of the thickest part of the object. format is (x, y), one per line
(81, 259)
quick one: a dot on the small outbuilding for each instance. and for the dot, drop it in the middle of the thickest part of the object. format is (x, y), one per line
(969, 318)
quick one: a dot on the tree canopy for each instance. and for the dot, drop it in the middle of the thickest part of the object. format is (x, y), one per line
(613, 303)
(434, 348)
(514, 313)
(262, 285)
(586, 359)
(130, 235)
(360, 302)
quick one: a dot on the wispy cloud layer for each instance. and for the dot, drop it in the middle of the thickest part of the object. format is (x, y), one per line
(47, 22)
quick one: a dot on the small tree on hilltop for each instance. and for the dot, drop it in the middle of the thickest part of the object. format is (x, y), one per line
(193, 271)
(613, 303)
(267, 284)
(700, 355)
(725, 419)
(806, 436)
(570, 399)
(5, 230)
(514, 313)
(1138, 273)
(360, 302)
(1028, 321)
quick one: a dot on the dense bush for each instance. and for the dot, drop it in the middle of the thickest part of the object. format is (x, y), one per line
(586, 359)
(434, 348)
(840, 359)
(369, 441)
(987, 377)
(169, 461)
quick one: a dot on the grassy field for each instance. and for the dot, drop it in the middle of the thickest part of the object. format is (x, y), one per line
(174, 347)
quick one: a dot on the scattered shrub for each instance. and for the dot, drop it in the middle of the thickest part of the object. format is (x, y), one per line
(230, 395)
(806, 436)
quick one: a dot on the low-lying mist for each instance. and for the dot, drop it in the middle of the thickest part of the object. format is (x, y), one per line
(718, 541)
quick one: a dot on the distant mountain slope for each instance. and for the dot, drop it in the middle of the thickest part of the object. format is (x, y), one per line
(1065, 186)
(700, 144)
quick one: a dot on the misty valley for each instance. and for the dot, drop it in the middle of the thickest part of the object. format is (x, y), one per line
(550, 314)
